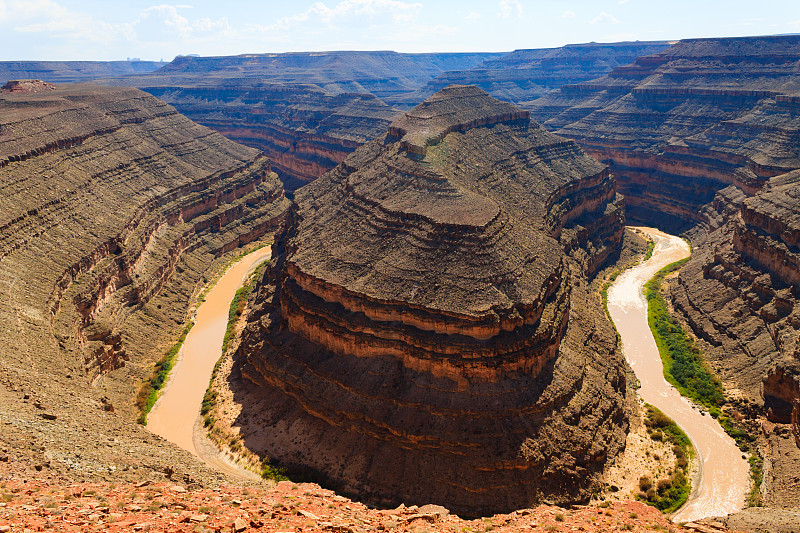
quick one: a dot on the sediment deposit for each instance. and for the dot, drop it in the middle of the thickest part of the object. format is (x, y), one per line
(113, 207)
(426, 333)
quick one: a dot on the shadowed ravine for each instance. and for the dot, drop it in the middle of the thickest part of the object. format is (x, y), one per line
(722, 481)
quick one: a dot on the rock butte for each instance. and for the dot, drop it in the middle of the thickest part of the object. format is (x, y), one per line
(426, 332)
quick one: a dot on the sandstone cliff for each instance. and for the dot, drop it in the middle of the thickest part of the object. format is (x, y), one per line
(426, 334)
(113, 207)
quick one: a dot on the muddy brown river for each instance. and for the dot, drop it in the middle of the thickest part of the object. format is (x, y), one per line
(723, 478)
(175, 414)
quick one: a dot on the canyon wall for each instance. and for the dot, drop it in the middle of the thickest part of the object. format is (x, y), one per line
(113, 208)
(704, 137)
(307, 111)
(381, 73)
(525, 75)
(426, 332)
(677, 126)
(739, 293)
(303, 129)
(73, 71)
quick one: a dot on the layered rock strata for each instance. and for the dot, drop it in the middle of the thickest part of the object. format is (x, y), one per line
(426, 332)
(525, 75)
(304, 130)
(74, 71)
(112, 208)
(381, 73)
(307, 111)
(740, 293)
(678, 126)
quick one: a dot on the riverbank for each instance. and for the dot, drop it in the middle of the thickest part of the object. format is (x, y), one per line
(175, 414)
(723, 480)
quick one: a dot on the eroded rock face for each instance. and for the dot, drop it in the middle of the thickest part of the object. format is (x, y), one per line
(678, 126)
(426, 333)
(308, 111)
(304, 130)
(381, 73)
(522, 76)
(740, 292)
(108, 196)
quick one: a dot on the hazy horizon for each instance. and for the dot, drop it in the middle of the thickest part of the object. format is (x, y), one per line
(102, 31)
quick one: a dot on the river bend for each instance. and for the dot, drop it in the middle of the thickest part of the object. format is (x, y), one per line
(723, 480)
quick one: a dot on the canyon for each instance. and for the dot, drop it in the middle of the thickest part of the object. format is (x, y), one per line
(419, 273)
(703, 138)
(308, 111)
(426, 334)
(114, 208)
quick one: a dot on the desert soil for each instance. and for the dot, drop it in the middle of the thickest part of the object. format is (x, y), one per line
(722, 481)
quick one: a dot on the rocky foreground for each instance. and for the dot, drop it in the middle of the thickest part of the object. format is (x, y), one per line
(33, 501)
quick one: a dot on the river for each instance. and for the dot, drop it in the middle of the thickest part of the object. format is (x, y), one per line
(175, 416)
(723, 479)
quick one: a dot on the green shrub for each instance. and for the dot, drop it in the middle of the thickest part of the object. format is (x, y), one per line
(684, 367)
(668, 494)
(148, 393)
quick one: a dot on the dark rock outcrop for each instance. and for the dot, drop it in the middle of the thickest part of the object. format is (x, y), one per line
(426, 332)
(678, 126)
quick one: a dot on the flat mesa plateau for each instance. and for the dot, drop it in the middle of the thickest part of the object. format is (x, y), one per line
(176, 412)
(723, 480)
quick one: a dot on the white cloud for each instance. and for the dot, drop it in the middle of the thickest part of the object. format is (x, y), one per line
(348, 12)
(605, 17)
(568, 14)
(165, 18)
(473, 16)
(509, 8)
(794, 23)
(421, 32)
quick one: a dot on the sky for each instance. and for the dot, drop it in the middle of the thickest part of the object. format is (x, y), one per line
(120, 29)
